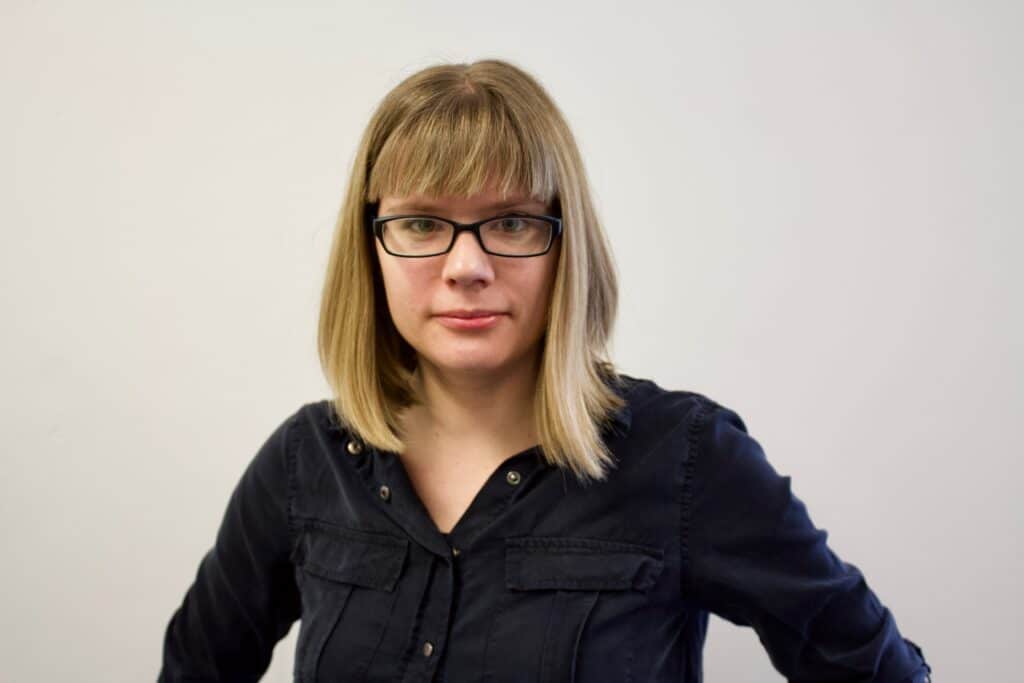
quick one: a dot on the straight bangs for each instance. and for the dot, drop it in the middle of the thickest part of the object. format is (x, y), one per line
(459, 143)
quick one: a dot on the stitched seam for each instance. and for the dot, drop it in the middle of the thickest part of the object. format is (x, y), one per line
(601, 584)
(418, 621)
(349, 525)
(366, 579)
(336, 531)
(487, 674)
(591, 601)
(582, 551)
(291, 468)
(293, 536)
(580, 546)
(685, 503)
(362, 673)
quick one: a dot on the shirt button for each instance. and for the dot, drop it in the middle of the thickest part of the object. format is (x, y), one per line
(354, 447)
(512, 477)
(385, 492)
(455, 551)
(428, 648)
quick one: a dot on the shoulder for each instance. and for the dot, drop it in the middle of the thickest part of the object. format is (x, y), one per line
(719, 464)
(316, 418)
(708, 438)
(310, 420)
(653, 405)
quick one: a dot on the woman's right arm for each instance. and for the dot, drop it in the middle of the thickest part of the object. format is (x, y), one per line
(244, 598)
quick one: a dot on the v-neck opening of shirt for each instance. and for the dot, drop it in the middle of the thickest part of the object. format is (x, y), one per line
(471, 512)
(404, 505)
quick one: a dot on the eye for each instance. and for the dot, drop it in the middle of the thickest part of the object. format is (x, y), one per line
(511, 224)
(419, 225)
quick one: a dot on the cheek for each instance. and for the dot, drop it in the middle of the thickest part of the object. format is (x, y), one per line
(537, 286)
(546, 277)
(407, 288)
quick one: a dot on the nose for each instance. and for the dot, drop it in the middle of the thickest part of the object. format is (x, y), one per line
(467, 262)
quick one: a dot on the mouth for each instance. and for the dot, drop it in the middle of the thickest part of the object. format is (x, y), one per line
(469, 313)
(475, 321)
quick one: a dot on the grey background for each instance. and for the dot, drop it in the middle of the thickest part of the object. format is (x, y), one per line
(816, 214)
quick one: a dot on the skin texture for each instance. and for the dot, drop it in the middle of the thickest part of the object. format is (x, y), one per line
(477, 385)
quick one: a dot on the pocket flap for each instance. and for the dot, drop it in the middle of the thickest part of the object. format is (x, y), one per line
(350, 556)
(566, 563)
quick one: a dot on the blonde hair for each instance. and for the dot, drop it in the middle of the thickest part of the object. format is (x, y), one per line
(452, 129)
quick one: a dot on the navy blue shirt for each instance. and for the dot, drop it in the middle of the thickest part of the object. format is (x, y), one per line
(542, 579)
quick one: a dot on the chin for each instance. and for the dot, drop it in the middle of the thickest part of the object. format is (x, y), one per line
(467, 360)
(470, 364)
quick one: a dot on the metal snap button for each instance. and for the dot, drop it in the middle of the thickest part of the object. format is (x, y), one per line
(385, 492)
(428, 648)
(512, 477)
(354, 447)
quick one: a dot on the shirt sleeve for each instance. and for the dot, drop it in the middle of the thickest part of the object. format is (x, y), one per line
(753, 557)
(244, 598)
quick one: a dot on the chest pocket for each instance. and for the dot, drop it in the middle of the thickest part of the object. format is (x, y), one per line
(558, 588)
(347, 579)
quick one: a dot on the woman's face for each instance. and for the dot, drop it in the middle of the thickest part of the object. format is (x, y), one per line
(421, 290)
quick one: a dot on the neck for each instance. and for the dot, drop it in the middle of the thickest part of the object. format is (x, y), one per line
(470, 406)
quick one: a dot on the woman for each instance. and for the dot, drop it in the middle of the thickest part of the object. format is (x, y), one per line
(485, 497)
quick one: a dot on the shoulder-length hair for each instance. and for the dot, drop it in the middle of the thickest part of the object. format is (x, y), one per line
(452, 129)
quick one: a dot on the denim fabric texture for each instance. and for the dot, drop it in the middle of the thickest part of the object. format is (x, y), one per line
(543, 579)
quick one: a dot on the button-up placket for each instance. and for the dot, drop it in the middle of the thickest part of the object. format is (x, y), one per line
(384, 476)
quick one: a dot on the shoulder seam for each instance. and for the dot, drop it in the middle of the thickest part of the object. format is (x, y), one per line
(291, 467)
(704, 408)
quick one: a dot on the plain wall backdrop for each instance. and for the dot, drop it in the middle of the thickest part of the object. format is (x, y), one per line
(816, 214)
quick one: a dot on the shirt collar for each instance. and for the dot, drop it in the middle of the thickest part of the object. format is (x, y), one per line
(623, 417)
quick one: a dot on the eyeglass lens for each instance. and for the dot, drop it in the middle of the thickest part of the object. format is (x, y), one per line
(509, 235)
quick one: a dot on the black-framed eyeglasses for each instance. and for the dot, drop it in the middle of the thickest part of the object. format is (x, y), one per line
(516, 235)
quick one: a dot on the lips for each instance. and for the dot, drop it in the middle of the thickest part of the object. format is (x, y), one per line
(469, 313)
(466, 320)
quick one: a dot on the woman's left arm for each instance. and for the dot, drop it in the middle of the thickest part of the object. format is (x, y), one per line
(753, 556)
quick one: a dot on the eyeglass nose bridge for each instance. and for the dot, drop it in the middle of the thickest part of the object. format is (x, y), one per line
(468, 227)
